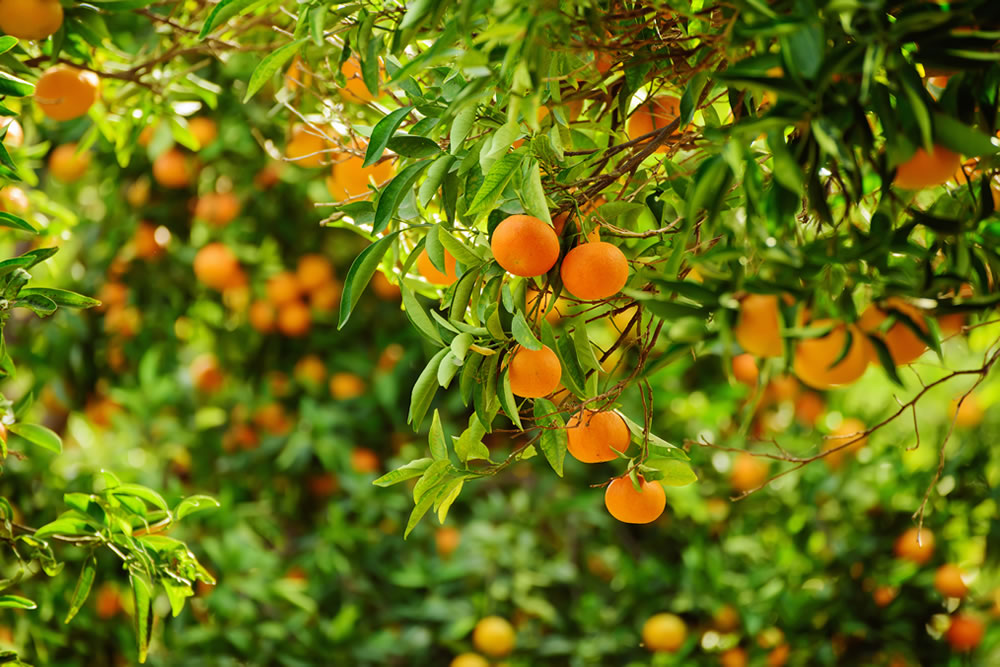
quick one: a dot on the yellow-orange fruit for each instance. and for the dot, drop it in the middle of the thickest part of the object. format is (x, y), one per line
(307, 147)
(782, 388)
(172, 169)
(494, 636)
(262, 316)
(145, 242)
(348, 179)
(534, 373)
(65, 93)
(67, 164)
(969, 413)
(354, 89)
(384, 288)
(525, 246)
(884, 595)
(107, 601)
(904, 345)
(734, 657)
(310, 369)
(294, 319)
(815, 357)
(654, 114)
(952, 323)
(965, 632)
(907, 547)
(758, 329)
(314, 271)
(14, 200)
(664, 633)
(30, 19)
(925, 170)
(344, 386)
(326, 297)
(206, 375)
(594, 271)
(283, 287)
(745, 369)
(630, 506)
(218, 208)
(593, 436)
(204, 130)
(323, 485)
(268, 176)
(469, 660)
(216, 266)
(364, 461)
(809, 407)
(273, 419)
(603, 62)
(848, 431)
(948, 581)
(430, 272)
(778, 656)
(749, 472)
(446, 540)
(15, 133)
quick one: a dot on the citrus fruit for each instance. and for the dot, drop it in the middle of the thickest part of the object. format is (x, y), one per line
(818, 361)
(430, 272)
(758, 329)
(904, 345)
(307, 147)
(67, 164)
(64, 92)
(206, 375)
(172, 169)
(664, 632)
(594, 271)
(30, 19)
(283, 287)
(927, 169)
(745, 369)
(204, 130)
(594, 435)
(965, 632)
(314, 271)
(848, 431)
(216, 266)
(749, 472)
(262, 316)
(948, 581)
(907, 547)
(294, 319)
(534, 373)
(653, 114)
(631, 506)
(525, 246)
(345, 386)
(494, 636)
(217, 208)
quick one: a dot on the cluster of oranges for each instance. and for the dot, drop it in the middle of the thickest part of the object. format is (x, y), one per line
(292, 297)
(312, 147)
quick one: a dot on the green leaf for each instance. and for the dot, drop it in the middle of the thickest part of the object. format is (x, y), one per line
(495, 181)
(142, 597)
(271, 63)
(435, 473)
(533, 194)
(416, 313)
(7, 43)
(15, 87)
(39, 305)
(961, 138)
(61, 297)
(469, 445)
(554, 440)
(675, 472)
(222, 12)
(177, 594)
(419, 510)
(448, 496)
(436, 439)
(39, 435)
(392, 195)
(382, 133)
(523, 334)
(13, 222)
(83, 585)
(507, 401)
(461, 126)
(360, 274)
(193, 504)
(413, 146)
(424, 389)
(65, 525)
(139, 491)
(16, 602)
(409, 471)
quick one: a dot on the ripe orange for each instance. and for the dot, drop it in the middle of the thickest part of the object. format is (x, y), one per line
(925, 170)
(745, 369)
(525, 246)
(469, 660)
(809, 407)
(345, 385)
(594, 435)
(534, 373)
(172, 169)
(348, 179)
(294, 319)
(68, 165)
(137, 192)
(884, 595)
(364, 461)
(216, 266)
(815, 356)
(217, 208)
(842, 435)
(283, 287)
(206, 376)
(65, 93)
(384, 288)
(748, 473)
(310, 370)
(273, 419)
(268, 176)
(204, 130)
(494, 636)
(355, 89)
(948, 581)
(779, 656)
(664, 632)
(307, 147)
(603, 61)
(782, 388)
(107, 601)
(965, 632)
(734, 657)
(262, 316)
(123, 320)
(14, 200)
(653, 114)
(593, 271)
(323, 485)
(904, 345)
(112, 294)
(389, 357)
(726, 618)
(30, 19)
(430, 272)
(446, 540)
(758, 330)
(327, 297)
(952, 323)
(147, 245)
(967, 415)
(15, 133)
(240, 436)
(908, 548)
(631, 506)
(314, 271)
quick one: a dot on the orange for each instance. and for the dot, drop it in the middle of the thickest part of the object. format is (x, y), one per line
(283, 287)
(430, 272)
(664, 633)
(390, 356)
(216, 266)
(469, 660)
(758, 330)
(603, 61)
(65, 93)
(948, 581)
(654, 114)
(726, 619)
(364, 461)
(884, 595)
(262, 316)
(847, 432)
(327, 297)
(322, 486)
(268, 176)
(525, 246)
(908, 548)
(534, 373)
(749, 472)
(68, 165)
(925, 170)
(314, 271)
(782, 388)
(294, 319)
(967, 415)
(446, 540)
(307, 147)
(631, 506)
(15, 133)
(815, 357)
(809, 406)
(779, 656)
(745, 369)
(14, 200)
(145, 242)
(272, 418)
(137, 192)
(494, 636)
(965, 632)
(30, 19)
(355, 89)
(310, 370)
(734, 657)
(107, 601)
(101, 410)
(123, 320)
(204, 130)
(593, 271)
(298, 74)
(172, 169)
(112, 294)
(240, 436)
(344, 386)
(217, 208)
(349, 180)
(386, 289)
(594, 435)
(537, 303)
(904, 345)
(206, 375)
(952, 323)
